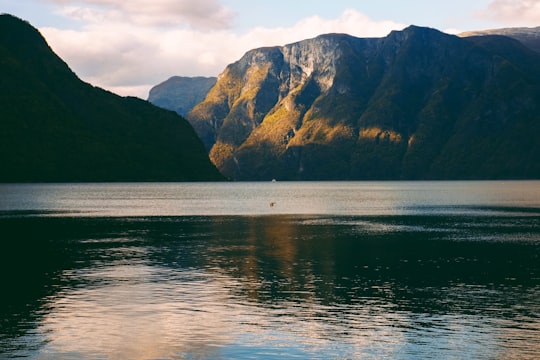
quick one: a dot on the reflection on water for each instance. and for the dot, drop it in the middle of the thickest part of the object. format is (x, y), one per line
(414, 285)
(233, 287)
(137, 312)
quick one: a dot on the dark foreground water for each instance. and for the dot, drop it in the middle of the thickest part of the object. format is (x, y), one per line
(402, 270)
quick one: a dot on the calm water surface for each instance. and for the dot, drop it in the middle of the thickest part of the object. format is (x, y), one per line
(329, 270)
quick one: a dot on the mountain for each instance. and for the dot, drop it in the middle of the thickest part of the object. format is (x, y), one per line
(530, 37)
(181, 93)
(55, 127)
(417, 104)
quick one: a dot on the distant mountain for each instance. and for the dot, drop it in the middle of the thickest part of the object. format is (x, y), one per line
(180, 93)
(530, 37)
(54, 127)
(417, 104)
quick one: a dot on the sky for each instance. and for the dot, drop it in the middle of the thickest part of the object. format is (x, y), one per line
(128, 46)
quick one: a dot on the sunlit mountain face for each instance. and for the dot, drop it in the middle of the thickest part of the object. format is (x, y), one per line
(417, 104)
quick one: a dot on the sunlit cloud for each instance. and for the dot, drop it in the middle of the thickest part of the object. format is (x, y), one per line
(202, 14)
(514, 12)
(129, 62)
(128, 58)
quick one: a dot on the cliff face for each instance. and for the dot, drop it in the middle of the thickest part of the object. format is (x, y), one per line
(417, 104)
(54, 127)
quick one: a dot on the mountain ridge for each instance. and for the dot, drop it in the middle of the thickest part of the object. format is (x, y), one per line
(181, 93)
(399, 107)
(530, 37)
(57, 128)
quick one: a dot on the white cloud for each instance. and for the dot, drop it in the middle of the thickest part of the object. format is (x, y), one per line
(202, 14)
(128, 58)
(514, 12)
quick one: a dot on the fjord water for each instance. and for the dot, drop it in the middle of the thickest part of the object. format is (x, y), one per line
(315, 270)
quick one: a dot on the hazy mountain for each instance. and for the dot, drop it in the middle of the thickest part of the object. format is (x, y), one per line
(180, 93)
(417, 104)
(530, 37)
(54, 127)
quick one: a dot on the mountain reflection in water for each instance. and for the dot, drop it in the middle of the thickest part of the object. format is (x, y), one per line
(272, 286)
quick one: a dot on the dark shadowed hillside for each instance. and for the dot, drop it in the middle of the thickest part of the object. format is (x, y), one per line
(54, 127)
(417, 104)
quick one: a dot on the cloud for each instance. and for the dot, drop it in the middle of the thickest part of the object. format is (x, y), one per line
(129, 58)
(350, 22)
(202, 14)
(514, 12)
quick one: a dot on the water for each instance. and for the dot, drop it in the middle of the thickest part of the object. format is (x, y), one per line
(329, 270)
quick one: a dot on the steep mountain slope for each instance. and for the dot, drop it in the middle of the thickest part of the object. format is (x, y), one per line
(54, 127)
(417, 104)
(530, 37)
(180, 93)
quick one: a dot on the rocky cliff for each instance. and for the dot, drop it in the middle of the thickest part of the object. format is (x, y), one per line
(54, 127)
(417, 104)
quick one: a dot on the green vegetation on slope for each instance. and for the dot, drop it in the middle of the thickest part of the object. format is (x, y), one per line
(57, 128)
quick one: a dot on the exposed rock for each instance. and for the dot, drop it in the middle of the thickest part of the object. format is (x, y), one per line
(417, 104)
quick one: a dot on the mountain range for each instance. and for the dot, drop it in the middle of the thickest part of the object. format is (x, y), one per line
(181, 93)
(416, 104)
(55, 127)
(529, 37)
